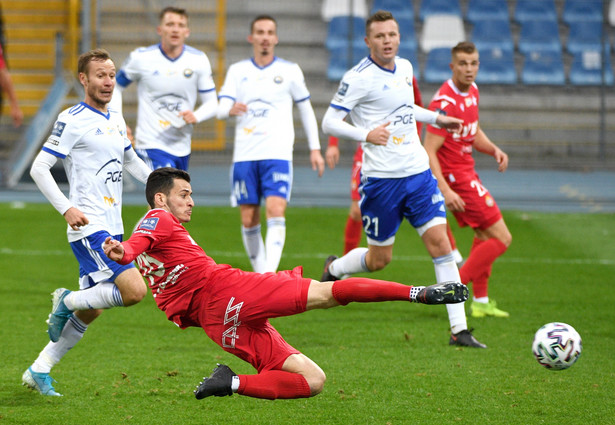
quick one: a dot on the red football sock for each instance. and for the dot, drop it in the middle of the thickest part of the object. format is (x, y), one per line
(451, 238)
(365, 290)
(273, 384)
(352, 234)
(477, 267)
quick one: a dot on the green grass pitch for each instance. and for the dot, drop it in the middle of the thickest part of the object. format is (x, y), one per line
(387, 363)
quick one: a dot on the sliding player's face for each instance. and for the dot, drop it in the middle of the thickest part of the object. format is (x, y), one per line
(98, 82)
(179, 201)
(173, 30)
(383, 42)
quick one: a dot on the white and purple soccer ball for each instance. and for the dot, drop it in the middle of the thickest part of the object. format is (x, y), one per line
(557, 346)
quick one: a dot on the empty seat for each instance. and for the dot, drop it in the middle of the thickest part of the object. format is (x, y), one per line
(408, 35)
(439, 7)
(530, 10)
(332, 8)
(584, 35)
(539, 36)
(481, 10)
(582, 10)
(586, 69)
(441, 31)
(493, 34)
(407, 52)
(496, 67)
(543, 68)
(345, 29)
(341, 59)
(437, 68)
(401, 9)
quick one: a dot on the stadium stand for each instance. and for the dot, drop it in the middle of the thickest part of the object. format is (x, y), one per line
(532, 10)
(586, 68)
(412, 55)
(582, 11)
(332, 8)
(408, 35)
(345, 29)
(537, 35)
(439, 7)
(612, 13)
(341, 59)
(543, 68)
(493, 34)
(401, 9)
(584, 35)
(496, 67)
(481, 10)
(441, 31)
(437, 67)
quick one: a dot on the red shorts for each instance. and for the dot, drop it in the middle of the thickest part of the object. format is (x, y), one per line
(481, 211)
(234, 308)
(355, 176)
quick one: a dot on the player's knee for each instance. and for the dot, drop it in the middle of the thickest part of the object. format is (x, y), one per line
(135, 294)
(377, 263)
(316, 381)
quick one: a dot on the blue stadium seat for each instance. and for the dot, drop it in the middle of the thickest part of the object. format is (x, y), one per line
(481, 10)
(531, 10)
(496, 67)
(410, 53)
(584, 35)
(338, 34)
(539, 36)
(401, 9)
(340, 61)
(408, 35)
(582, 11)
(543, 68)
(439, 7)
(493, 34)
(437, 68)
(586, 68)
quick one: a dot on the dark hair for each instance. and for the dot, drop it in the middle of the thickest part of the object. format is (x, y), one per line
(463, 46)
(173, 9)
(162, 181)
(93, 55)
(379, 16)
(262, 18)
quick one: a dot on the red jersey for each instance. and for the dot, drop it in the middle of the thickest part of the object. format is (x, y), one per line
(2, 62)
(455, 155)
(174, 266)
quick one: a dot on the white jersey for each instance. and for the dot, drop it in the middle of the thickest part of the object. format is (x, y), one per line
(92, 147)
(373, 96)
(166, 87)
(266, 131)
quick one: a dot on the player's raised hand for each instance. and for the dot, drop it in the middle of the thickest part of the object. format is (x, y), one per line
(75, 218)
(113, 249)
(379, 135)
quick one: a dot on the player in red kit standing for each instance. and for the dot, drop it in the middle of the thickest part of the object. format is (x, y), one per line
(451, 161)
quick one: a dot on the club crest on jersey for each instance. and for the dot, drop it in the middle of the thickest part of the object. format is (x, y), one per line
(343, 89)
(278, 79)
(58, 128)
(148, 223)
(188, 72)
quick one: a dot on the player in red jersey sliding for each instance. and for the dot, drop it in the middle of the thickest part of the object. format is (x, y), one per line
(451, 161)
(234, 306)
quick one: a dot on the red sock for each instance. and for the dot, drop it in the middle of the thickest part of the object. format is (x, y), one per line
(365, 290)
(273, 384)
(352, 234)
(477, 267)
(451, 238)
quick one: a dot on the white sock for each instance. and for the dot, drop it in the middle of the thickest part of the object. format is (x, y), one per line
(351, 263)
(446, 271)
(54, 351)
(235, 384)
(274, 242)
(255, 248)
(103, 295)
(457, 256)
(482, 300)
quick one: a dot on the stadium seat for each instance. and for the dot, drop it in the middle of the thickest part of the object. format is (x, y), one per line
(338, 34)
(481, 10)
(437, 68)
(439, 7)
(408, 35)
(340, 62)
(407, 52)
(586, 67)
(582, 11)
(539, 36)
(543, 68)
(441, 31)
(612, 13)
(332, 8)
(532, 10)
(584, 35)
(401, 9)
(493, 34)
(496, 67)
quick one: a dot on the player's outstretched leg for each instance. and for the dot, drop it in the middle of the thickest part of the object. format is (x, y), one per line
(465, 338)
(40, 382)
(441, 293)
(326, 274)
(218, 384)
(59, 314)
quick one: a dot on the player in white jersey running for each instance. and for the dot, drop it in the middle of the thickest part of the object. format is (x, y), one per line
(396, 180)
(260, 93)
(170, 76)
(91, 140)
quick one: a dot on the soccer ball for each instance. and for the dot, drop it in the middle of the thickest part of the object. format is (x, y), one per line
(557, 346)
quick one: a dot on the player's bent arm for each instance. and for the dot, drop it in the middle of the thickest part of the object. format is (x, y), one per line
(136, 166)
(209, 106)
(41, 174)
(113, 249)
(333, 124)
(483, 144)
(425, 115)
(224, 107)
(432, 144)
